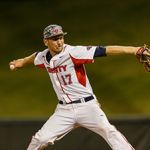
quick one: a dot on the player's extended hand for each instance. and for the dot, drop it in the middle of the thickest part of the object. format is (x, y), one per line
(15, 64)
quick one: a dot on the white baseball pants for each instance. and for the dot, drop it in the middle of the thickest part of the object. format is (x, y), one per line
(88, 115)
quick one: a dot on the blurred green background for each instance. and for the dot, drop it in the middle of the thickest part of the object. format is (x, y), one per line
(119, 82)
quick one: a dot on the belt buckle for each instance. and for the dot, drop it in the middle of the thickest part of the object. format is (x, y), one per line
(64, 103)
(82, 100)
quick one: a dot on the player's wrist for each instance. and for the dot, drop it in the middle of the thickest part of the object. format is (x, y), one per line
(137, 50)
(132, 50)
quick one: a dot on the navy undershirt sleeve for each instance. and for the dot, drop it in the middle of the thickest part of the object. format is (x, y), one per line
(100, 51)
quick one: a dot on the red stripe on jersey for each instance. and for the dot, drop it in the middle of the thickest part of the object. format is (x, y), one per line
(81, 61)
(79, 69)
(80, 73)
(41, 65)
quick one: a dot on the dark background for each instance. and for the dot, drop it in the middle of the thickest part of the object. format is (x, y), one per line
(120, 83)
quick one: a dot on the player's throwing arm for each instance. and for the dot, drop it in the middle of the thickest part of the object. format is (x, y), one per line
(19, 63)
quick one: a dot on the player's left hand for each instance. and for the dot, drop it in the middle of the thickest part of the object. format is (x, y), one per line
(143, 55)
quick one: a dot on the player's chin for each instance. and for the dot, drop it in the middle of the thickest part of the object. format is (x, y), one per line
(59, 49)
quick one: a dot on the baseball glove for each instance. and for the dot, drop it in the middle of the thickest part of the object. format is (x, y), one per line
(143, 55)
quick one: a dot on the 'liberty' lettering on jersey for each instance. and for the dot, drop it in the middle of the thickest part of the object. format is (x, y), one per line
(57, 69)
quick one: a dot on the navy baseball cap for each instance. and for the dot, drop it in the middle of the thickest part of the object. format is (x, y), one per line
(53, 30)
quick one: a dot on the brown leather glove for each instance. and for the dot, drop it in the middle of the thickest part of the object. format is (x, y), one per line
(143, 55)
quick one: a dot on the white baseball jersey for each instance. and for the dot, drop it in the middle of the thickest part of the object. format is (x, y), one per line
(67, 71)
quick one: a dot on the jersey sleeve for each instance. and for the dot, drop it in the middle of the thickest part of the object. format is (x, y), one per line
(83, 54)
(39, 59)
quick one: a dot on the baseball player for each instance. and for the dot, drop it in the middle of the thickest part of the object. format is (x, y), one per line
(77, 104)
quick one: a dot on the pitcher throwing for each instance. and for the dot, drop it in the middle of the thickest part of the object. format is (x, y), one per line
(77, 104)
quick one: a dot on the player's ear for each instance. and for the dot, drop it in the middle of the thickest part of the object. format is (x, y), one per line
(45, 42)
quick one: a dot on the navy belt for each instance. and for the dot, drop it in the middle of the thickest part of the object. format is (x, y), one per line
(86, 99)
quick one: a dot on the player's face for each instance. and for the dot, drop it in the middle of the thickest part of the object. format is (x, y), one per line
(55, 44)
